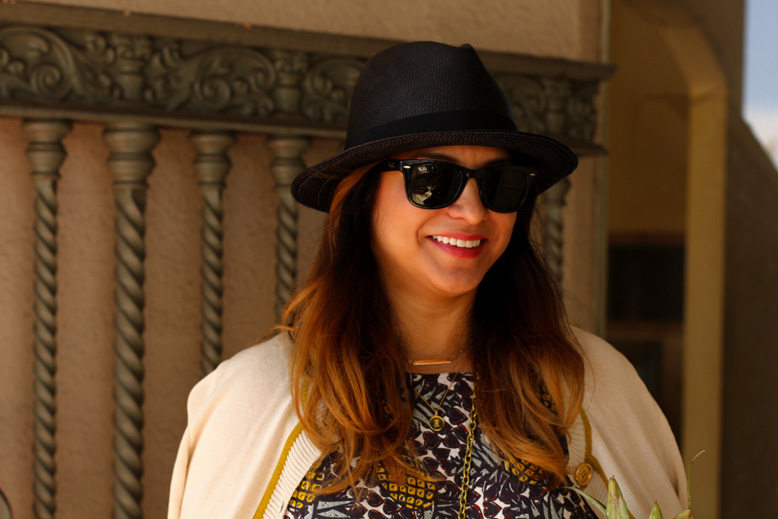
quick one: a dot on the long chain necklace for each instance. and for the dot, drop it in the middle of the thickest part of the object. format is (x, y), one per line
(436, 422)
(436, 362)
(468, 462)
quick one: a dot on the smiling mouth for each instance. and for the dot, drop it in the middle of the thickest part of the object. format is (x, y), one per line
(463, 244)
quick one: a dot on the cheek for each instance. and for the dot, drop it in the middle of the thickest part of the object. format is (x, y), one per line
(391, 189)
(387, 214)
(505, 222)
(391, 208)
(382, 209)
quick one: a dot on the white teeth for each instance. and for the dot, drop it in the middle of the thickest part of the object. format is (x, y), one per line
(465, 244)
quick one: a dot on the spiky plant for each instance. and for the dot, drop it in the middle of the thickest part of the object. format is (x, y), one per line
(616, 507)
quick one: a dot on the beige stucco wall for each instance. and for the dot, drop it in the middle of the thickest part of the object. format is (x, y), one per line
(750, 401)
(85, 304)
(562, 28)
(16, 270)
(569, 29)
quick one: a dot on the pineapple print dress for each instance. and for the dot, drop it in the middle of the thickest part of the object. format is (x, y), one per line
(497, 490)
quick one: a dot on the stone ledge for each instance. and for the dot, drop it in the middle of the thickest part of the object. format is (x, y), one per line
(92, 64)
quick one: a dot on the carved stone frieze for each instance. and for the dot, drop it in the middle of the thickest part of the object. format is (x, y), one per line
(528, 99)
(160, 76)
(327, 89)
(39, 65)
(552, 106)
(219, 80)
(581, 114)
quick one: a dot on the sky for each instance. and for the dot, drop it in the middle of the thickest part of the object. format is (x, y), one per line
(760, 92)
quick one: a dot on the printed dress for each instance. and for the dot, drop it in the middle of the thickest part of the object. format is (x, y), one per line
(497, 490)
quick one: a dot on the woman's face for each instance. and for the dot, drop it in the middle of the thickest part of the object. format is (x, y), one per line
(409, 243)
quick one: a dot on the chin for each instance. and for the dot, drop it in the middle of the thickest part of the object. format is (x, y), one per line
(459, 287)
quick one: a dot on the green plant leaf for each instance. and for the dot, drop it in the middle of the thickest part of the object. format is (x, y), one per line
(616, 508)
(593, 502)
(689, 484)
(656, 513)
(686, 514)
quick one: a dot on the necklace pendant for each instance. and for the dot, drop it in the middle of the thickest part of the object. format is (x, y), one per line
(436, 423)
(430, 362)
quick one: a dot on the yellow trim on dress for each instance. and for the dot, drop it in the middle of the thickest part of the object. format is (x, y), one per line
(277, 472)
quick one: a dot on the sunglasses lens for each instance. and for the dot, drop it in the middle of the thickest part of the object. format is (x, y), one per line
(433, 184)
(503, 188)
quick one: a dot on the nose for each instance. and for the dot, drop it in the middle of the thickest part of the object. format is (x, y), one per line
(468, 206)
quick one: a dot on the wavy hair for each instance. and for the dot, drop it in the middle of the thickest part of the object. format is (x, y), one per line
(348, 367)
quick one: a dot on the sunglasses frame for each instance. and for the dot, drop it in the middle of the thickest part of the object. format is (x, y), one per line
(406, 166)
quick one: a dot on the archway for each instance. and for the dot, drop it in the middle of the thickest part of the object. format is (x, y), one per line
(667, 179)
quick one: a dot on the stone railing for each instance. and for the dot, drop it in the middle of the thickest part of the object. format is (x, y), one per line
(61, 65)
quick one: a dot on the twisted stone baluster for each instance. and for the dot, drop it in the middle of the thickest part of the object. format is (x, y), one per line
(286, 165)
(553, 244)
(130, 163)
(45, 154)
(212, 166)
(5, 507)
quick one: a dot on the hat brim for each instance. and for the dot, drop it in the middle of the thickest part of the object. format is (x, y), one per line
(553, 161)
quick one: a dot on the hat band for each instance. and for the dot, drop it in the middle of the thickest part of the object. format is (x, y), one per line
(451, 121)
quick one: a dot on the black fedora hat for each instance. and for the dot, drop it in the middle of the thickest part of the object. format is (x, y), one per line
(424, 94)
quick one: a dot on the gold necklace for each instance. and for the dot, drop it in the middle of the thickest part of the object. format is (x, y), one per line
(435, 362)
(468, 462)
(436, 422)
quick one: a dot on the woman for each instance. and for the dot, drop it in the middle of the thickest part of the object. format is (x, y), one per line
(425, 368)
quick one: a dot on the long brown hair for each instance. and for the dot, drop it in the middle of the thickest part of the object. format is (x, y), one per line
(348, 367)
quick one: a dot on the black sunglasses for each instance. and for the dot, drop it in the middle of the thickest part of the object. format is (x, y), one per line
(434, 184)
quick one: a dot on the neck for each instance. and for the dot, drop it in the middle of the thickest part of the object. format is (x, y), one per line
(433, 329)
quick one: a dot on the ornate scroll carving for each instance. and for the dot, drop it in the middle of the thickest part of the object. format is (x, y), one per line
(37, 64)
(328, 87)
(190, 78)
(218, 80)
(581, 112)
(212, 166)
(528, 100)
(557, 91)
(130, 163)
(291, 67)
(558, 107)
(172, 75)
(553, 240)
(45, 154)
(130, 55)
(286, 165)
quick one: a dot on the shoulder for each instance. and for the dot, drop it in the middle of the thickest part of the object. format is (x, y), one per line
(598, 350)
(608, 372)
(253, 371)
(240, 417)
(623, 433)
(268, 358)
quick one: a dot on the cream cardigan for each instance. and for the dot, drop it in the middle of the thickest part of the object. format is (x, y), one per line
(244, 452)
